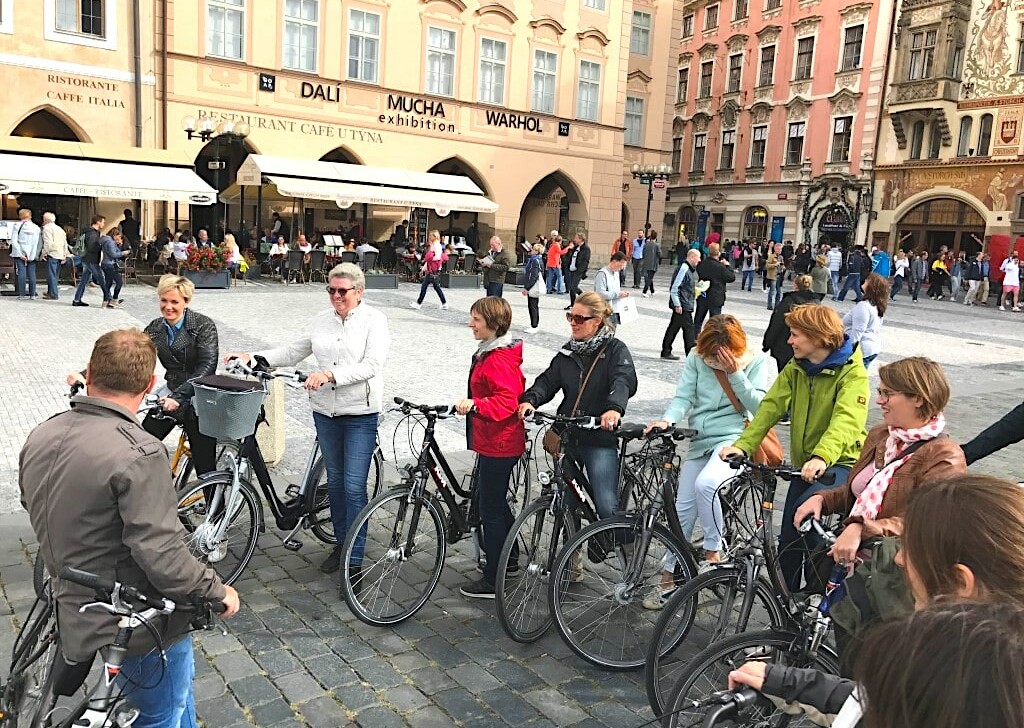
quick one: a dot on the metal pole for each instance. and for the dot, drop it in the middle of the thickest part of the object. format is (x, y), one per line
(650, 196)
(241, 209)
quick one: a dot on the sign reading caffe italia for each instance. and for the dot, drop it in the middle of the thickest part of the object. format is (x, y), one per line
(424, 114)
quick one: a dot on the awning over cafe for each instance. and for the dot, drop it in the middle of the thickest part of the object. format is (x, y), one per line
(76, 169)
(347, 184)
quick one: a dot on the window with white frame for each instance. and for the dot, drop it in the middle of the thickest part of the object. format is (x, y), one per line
(710, 17)
(758, 146)
(225, 28)
(545, 70)
(916, 139)
(735, 73)
(588, 91)
(853, 46)
(707, 72)
(922, 54)
(766, 73)
(984, 136)
(594, 4)
(804, 59)
(688, 26)
(726, 157)
(301, 25)
(363, 45)
(741, 10)
(634, 122)
(6, 16)
(842, 134)
(683, 85)
(81, 16)
(677, 153)
(640, 34)
(700, 148)
(492, 71)
(440, 61)
(963, 147)
(795, 142)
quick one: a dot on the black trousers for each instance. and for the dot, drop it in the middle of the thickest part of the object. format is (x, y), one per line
(702, 311)
(203, 448)
(573, 284)
(679, 322)
(533, 306)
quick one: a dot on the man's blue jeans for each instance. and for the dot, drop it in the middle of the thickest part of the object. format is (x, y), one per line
(431, 279)
(602, 468)
(747, 280)
(495, 289)
(52, 275)
(169, 703)
(835, 282)
(554, 280)
(793, 545)
(773, 286)
(22, 270)
(852, 283)
(495, 514)
(90, 272)
(347, 443)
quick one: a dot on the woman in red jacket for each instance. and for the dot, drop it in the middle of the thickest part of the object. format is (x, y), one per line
(493, 429)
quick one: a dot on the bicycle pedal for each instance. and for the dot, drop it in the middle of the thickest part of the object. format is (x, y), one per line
(293, 545)
(292, 491)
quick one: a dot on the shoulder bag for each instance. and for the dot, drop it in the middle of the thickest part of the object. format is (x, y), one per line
(552, 442)
(770, 451)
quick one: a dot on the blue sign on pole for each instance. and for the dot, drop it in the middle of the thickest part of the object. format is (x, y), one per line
(778, 224)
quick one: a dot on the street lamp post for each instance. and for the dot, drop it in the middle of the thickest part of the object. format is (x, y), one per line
(224, 131)
(647, 174)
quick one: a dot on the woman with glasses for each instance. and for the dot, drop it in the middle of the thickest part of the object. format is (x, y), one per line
(350, 342)
(595, 374)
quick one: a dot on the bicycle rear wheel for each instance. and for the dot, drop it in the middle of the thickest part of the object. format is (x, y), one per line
(232, 553)
(703, 611)
(521, 598)
(598, 608)
(40, 576)
(404, 553)
(27, 697)
(320, 522)
(708, 672)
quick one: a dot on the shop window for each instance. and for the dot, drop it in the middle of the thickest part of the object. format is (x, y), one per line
(804, 59)
(492, 71)
(300, 31)
(934, 140)
(545, 69)
(363, 45)
(963, 147)
(758, 146)
(640, 34)
(634, 122)
(225, 28)
(766, 73)
(795, 143)
(842, 135)
(588, 91)
(853, 45)
(728, 151)
(677, 153)
(440, 61)
(688, 26)
(700, 148)
(707, 71)
(985, 135)
(711, 17)
(735, 72)
(922, 55)
(683, 87)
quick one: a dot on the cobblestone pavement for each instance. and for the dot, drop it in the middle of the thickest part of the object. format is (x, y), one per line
(294, 656)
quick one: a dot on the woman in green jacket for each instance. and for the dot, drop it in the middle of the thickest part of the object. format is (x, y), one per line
(827, 398)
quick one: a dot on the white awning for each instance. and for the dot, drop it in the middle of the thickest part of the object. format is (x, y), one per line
(63, 168)
(347, 184)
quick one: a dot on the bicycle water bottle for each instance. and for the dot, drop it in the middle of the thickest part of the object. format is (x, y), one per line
(835, 590)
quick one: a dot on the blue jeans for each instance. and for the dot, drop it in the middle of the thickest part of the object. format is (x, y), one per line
(52, 275)
(347, 443)
(22, 270)
(793, 545)
(91, 271)
(431, 279)
(170, 703)
(773, 286)
(554, 280)
(602, 468)
(495, 515)
(852, 283)
(747, 280)
(112, 274)
(915, 288)
(495, 289)
(778, 289)
(897, 286)
(835, 282)
(869, 359)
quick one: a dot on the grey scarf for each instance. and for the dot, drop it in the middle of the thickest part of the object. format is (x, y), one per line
(589, 347)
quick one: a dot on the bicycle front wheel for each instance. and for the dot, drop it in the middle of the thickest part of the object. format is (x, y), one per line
(187, 477)
(320, 521)
(702, 611)
(600, 580)
(27, 697)
(708, 672)
(401, 562)
(521, 597)
(231, 553)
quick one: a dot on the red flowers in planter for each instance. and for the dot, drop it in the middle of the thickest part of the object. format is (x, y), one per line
(210, 259)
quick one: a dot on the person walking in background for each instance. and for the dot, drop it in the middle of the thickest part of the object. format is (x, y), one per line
(433, 259)
(624, 245)
(579, 261)
(718, 274)
(26, 242)
(751, 258)
(902, 265)
(682, 301)
(856, 262)
(956, 274)
(1011, 282)
(495, 264)
(835, 264)
(637, 257)
(132, 231)
(737, 256)
(918, 274)
(606, 284)
(533, 284)
(776, 336)
(973, 277)
(649, 264)
(986, 276)
(939, 277)
(114, 249)
(880, 263)
(821, 278)
(91, 262)
(863, 323)
(55, 253)
(772, 265)
(555, 282)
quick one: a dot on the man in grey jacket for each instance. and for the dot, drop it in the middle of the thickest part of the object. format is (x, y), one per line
(25, 245)
(682, 300)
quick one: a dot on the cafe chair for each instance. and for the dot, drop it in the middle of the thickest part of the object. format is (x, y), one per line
(317, 265)
(369, 261)
(295, 265)
(130, 272)
(349, 256)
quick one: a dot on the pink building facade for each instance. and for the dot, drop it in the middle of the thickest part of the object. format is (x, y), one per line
(777, 111)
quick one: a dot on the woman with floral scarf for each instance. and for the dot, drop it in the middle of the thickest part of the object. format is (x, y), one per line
(721, 354)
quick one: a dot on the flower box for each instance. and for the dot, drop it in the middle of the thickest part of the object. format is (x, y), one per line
(209, 279)
(452, 280)
(381, 280)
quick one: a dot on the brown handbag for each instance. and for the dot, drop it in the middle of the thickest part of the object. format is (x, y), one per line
(552, 441)
(770, 451)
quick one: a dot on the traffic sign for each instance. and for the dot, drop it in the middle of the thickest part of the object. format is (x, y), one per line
(659, 184)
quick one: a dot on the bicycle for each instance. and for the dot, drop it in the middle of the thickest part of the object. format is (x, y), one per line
(747, 589)
(34, 649)
(405, 532)
(104, 706)
(203, 506)
(599, 612)
(799, 645)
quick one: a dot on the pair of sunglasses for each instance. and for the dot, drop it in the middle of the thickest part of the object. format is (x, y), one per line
(575, 318)
(332, 291)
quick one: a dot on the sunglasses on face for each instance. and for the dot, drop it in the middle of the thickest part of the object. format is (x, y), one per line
(332, 291)
(575, 318)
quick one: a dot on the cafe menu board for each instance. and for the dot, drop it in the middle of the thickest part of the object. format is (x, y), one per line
(419, 219)
(7, 229)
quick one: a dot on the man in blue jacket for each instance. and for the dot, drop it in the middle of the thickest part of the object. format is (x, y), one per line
(682, 300)
(880, 263)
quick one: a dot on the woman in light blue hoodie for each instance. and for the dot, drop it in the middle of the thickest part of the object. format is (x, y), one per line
(700, 397)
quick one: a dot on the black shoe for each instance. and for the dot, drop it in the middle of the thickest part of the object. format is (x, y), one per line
(478, 589)
(333, 561)
(79, 303)
(669, 356)
(567, 308)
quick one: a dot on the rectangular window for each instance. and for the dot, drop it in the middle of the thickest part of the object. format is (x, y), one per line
(545, 68)
(492, 71)
(773, 5)
(956, 61)
(225, 28)
(842, 134)
(363, 45)
(588, 93)
(300, 30)
(707, 70)
(1020, 51)
(710, 17)
(922, 54)
(758, 145)
(700, 147)
(728, 149)
(80, 16)
(795, 142)
(735, 72)
(852, 47)
(677, 153)
(683, 88)
(804, 59)
(741, 10)
(766, 74)
(594, 4)
(440, 61)
(640, 34)
(688, 26)
(634, 122)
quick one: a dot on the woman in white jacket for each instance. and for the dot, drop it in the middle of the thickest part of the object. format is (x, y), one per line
(863, 322)
(350, 342)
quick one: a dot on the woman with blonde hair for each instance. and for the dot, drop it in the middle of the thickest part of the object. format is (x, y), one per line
(433, 259)
(533, 285)
(821, 277)
(721, 360)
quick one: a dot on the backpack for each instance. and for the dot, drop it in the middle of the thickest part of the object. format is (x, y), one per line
(865, 266)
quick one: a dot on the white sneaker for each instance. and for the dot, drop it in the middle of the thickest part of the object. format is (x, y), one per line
(1017, 309)
(444, 306)
(532, 329)
(414, 305)
(1001, 308)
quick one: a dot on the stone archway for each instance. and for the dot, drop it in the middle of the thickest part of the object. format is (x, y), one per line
(555, 202)
(342, 155)
(49, 123)
(475, 227)
(939, 221)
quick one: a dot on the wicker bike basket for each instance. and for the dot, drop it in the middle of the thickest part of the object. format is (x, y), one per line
(228, 408)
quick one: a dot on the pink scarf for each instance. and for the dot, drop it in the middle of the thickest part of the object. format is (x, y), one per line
(869, 502)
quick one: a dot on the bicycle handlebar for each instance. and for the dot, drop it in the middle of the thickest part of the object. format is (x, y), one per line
(580, 423)
(445, 410)
(728, 703)
(263, 370)
(676, 433)
(784, 471)
(108, 588)
(75, 389)
(813, 524)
